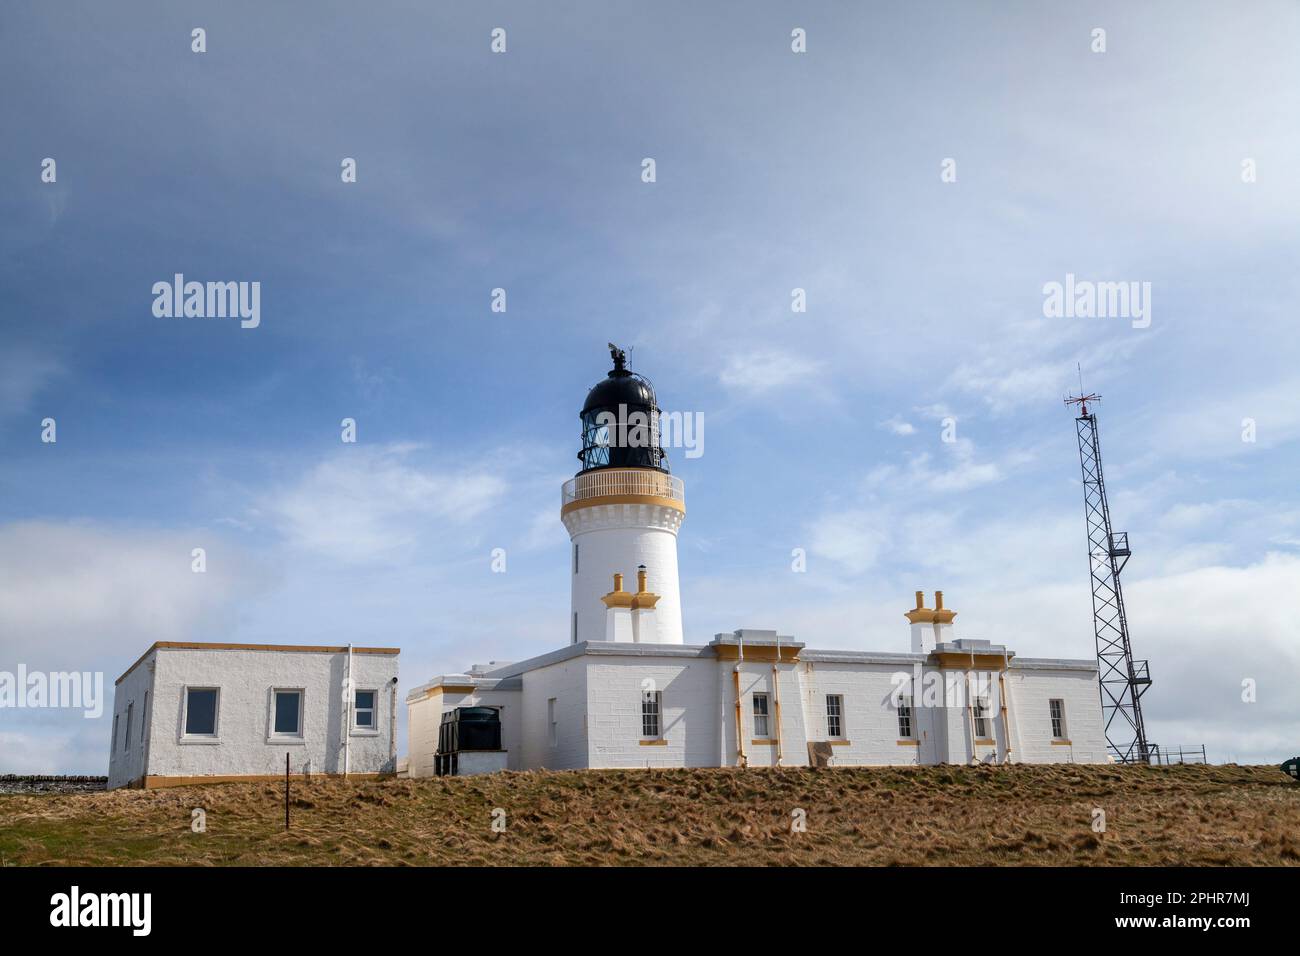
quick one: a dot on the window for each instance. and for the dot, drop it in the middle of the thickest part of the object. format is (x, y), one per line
(651, 708)
(575, 558)
(551, 729)
(130, 711)
(575, 627)
(834, 716)
(762, 727)
(201, 711)
(144, 716)
(1057, 709)
(905, 716)
(363, 710)
(980, 711)
(114, 750)
(286, 716)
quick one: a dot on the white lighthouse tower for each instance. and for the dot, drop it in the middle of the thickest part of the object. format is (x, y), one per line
(622, 512)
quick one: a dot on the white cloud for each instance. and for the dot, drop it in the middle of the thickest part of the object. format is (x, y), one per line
(90, 598)
(898, 426)
(1212, 426)
(767, 370)
(855, 539)
(937, 411)
(51, 751)
(1035, 362)
(72, 594)
(544, 530)
(374, 504)
(957, 470)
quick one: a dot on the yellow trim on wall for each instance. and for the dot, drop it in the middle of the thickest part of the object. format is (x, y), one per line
(660, 742)
(989, 662)
(839, 743)
(908, 743)
(761, 653)
(623, 500)
(1062, 743)
(986, 741)
(158, 783)
(770, 741)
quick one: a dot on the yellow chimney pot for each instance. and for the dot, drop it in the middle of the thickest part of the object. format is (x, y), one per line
(643, 598)
(618, 597)
(941, 614)
(920, 614)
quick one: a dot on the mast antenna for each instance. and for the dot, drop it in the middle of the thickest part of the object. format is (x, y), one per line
(1122, 680)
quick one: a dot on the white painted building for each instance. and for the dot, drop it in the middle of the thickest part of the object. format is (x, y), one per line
(201, 713)
(629, 692)
(753, 698)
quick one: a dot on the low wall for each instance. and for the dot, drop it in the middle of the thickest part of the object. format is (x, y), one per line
(39, 783)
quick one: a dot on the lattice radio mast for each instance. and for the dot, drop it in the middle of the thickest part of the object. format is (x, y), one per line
(1123, 680)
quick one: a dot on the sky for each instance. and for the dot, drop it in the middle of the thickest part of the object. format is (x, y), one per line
(823, 430)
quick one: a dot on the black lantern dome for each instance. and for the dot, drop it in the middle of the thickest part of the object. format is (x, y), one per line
(620, 421)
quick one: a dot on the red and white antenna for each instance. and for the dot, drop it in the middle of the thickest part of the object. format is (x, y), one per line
(1083, 398)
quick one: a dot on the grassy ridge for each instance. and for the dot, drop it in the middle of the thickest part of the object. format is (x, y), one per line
(869, 816)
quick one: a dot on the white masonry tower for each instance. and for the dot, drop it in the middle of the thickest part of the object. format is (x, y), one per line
(622, 512)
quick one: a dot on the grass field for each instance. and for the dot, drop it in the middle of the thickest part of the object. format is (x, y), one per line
(1013, 815)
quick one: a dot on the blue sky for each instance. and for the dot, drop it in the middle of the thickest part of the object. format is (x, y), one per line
(775, 171)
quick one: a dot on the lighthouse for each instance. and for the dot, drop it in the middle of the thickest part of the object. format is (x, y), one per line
(622, 511)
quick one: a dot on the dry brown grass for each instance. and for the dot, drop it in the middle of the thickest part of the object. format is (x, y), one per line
(1014, 815)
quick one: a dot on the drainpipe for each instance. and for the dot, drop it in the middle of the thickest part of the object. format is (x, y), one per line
(776, 698)
(147, 717)
(741, 759)
(1006, 707)
(347, 718)
(970, 712)
(392, 727)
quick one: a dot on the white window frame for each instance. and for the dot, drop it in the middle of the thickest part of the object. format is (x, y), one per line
(359, 730)
(575, 559)
(212, 738)
(271, 734)
(144, 716)
(114, 747)
(906, 718)
(1058, 719)
(130, 713)
(552, 723)
(652, 707)
(765, 715)
(980, 716)
(834, 716)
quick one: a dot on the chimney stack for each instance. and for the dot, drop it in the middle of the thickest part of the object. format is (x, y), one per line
(645, 626)
(618, 613)
(942, 620)
(929, 626)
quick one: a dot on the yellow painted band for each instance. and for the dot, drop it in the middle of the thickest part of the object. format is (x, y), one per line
(157, 783)
(623, 500)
